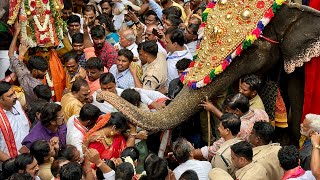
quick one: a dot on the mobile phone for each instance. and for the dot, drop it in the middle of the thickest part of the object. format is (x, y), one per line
(155, 32)
(129, 8)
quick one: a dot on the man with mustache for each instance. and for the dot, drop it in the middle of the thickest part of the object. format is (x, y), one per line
(26, 163)
(14, 124)
(74, 26)
(72, 102)
(78, 47)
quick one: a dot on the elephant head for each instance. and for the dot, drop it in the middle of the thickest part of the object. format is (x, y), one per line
(296, 28)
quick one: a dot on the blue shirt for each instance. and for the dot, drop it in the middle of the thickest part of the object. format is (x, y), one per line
(112, 38)
(124, 79)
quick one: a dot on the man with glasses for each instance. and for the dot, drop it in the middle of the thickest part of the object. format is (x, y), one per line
(50, 128)
(14, 124)
(191, 35)
(150, 35)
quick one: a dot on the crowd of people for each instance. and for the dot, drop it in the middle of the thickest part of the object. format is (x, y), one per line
(136, 50)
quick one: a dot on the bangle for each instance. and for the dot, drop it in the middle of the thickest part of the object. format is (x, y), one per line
(132, 135)
(136, 23)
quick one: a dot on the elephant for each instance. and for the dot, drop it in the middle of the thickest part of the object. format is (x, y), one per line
(295, 28)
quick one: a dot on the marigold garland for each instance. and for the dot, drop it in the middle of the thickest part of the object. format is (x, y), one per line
(249, 40)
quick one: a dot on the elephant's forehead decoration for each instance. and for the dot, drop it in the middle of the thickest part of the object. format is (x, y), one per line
(229, 27)
(40, 21)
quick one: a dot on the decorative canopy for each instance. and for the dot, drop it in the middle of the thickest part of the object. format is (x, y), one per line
(229, 27)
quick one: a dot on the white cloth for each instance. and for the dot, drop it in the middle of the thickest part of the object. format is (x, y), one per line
(110, 175)
(133, 48)
(74, 135)
(306, 176)
(105, 106)
(161, 49)
(192, 47)
(19, 124)
(202, 168)
(4, 63)
(172, 59)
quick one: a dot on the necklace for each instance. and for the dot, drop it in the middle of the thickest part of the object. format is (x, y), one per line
(107, 139)
(46, 6)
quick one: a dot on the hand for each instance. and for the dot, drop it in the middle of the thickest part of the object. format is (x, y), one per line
(208, 106)
(133, 69)
(85, 22)
(116, 161)
(93, 156)
(90, 99)
(133, 16)
(132, 127)
(187, 8)
(142, 135)
(24, 149)
(55, 142)
(17, 27)
(157, 106)
(23, 48)
(315, 139)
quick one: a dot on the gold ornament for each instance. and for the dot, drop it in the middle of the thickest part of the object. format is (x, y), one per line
(246, 15)
(57, 7)
(28, 13)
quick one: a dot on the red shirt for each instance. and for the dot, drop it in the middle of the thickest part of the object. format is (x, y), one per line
(108, 55)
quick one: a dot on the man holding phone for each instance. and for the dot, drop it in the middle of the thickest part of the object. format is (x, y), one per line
(152, 34)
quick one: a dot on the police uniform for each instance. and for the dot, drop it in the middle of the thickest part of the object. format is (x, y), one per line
(252, 171)
(267, 156)
(219, 174)
(222, 159)
(155, 74)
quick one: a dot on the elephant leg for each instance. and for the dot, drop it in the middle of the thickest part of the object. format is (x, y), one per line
(295, 94)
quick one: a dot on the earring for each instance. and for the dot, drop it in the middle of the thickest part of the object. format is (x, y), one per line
(111, 133)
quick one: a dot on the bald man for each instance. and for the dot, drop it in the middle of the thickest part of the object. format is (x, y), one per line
(149, 36)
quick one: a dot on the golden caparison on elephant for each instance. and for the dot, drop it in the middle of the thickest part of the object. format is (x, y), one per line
(296, 28)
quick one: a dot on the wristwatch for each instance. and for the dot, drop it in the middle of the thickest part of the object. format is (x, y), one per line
(317, 146)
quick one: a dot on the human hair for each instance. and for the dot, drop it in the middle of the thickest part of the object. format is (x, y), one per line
(288, 157)
(78, 83)
(149, 47)
(151, 13)
(175, 20)
(176, 35)
(232, 122)
(126, 53)
(189, 175)
(4, 87)
(71, 171)
(55, 166)
(67, 151)
(94, 63)
(73, 19)
(8, 168)
(131, 152)
(67, 5)
(183, 64)
(49, 113)
(43, 92)
(89, 112)
(315, 122)
(77, 38)
(118, 120)
(172, 10)
(181, 150)
(40, 149)
(237, 101)
(124, 171)
(68, 56)
(106, 78)
(22, 160)
(106, 1)
(35, 107)
(106, 21)
(155, 167)
(38, 63)
(20, 176)
(264, 130)
(99, 173)
(243, 149)
(97, 32)
(132, 96)
(253, 81)
(89, 8)
(194, 29)
(130, 36)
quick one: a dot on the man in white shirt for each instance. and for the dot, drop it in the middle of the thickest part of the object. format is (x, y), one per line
(78, 125)
(182, 150)
(128, 41)
(151, 36)
(175, 44)
(14, 124)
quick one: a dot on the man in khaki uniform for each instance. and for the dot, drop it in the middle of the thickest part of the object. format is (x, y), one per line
(229, 127)
(241, 156)
(264, 153)
(155, 70)
(217, 173)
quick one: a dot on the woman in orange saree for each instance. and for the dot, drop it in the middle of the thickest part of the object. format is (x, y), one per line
(106, 136)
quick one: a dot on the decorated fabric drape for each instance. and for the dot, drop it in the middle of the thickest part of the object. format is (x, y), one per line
(230, 27)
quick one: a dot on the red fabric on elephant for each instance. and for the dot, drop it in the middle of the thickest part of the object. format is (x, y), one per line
(312, 80)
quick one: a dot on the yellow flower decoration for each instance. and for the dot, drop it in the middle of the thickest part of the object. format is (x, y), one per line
(279, 2)
(251, 38)
(218, 70)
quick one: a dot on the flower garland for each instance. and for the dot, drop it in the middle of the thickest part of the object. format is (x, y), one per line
(249, 40)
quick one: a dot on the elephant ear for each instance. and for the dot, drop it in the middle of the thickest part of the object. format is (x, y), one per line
(301, 37)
